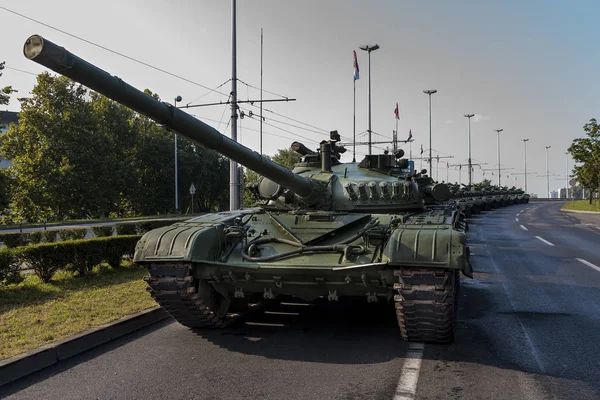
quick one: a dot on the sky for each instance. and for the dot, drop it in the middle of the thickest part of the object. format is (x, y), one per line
(525, 66)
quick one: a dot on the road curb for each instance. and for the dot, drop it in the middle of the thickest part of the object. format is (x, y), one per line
(581, 211)
(22, 365)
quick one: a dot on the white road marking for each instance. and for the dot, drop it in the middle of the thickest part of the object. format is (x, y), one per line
(407, 384)
(525, 229)
(598, 227)
(589, 264)
(521, 211)
(517, 219)
(545, 241)
(518, 214)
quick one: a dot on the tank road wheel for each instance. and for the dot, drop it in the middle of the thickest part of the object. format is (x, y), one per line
(193, 303)
(427, 304)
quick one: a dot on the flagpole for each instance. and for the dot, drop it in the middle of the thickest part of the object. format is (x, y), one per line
(395, 138)
(354, 119)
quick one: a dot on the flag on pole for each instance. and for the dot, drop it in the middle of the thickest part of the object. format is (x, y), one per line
(447, 165)
(438, 158)
(397, 112)
(409, 134)
(356, 71)
(421, 149)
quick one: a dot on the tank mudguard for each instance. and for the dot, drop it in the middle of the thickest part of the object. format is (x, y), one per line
(423, 246)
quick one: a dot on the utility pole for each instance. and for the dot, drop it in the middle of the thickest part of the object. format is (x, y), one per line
(261, 91)
(178, 98)
(430, 92)
(234, 174)
(525, 143)
(498, 131)
(369, 49)
(547, 172)
(469, 144)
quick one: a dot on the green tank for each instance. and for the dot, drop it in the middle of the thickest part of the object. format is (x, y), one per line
(326, 231)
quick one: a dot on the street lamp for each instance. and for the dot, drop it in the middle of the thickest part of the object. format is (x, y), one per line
(547, 172)
(567, 176)
(499, 130)
(430, 92)
(525, 143)
(178, 98)
(469, 141)
(369, 49)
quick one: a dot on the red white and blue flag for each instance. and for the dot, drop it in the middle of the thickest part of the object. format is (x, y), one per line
(356, 71)
(409, 134)
(397, 112)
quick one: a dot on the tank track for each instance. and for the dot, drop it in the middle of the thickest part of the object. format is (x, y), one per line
(174, 288)
(426, 304)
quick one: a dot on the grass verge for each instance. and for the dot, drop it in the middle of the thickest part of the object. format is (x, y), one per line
(33, 313)
(582, 205)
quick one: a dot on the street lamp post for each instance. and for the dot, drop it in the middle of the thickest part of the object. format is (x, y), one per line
(469, 144)
(178, 98)
(525, 143)
(498, 131)
(567, 176)
(547, 172)
(369, 49)
(430, 92)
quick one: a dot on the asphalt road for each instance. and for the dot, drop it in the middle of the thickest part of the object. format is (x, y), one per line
(529, 328)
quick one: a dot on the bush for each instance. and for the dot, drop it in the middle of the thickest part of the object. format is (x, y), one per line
(35, 237)
(48, 236)
(13, 239)
(44, 258)
(9, 267)
(72, 234)
(102, 230)
(146, 226)
(77, 255)
(126, 228)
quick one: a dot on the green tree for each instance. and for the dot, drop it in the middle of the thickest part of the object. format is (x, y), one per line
(586, 151)
(57, 158)
(6, 91)
(287, 158)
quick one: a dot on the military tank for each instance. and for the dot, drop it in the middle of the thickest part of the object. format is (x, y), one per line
(328, 230)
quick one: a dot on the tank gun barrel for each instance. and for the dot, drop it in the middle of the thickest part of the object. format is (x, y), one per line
(60, 60)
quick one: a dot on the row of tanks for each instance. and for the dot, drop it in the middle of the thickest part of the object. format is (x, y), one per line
(475, 200)
(370, 231)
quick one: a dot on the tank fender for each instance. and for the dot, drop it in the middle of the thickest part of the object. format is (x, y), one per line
(181, 242)
(423, 246)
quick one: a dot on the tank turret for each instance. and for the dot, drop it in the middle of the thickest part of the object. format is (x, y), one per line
(379, 182)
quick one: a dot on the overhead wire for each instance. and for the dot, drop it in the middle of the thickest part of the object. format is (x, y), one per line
(20, 70)
(209, 92)
(110, 50)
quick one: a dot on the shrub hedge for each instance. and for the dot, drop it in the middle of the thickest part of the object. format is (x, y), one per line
(102, 230)
(49, 236)
(72, 234)
(76, 255)
(146, 226)
(126, 228)
(9, 267)
(13, 239)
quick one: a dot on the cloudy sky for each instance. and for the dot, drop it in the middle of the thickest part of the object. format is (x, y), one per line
(525, 66)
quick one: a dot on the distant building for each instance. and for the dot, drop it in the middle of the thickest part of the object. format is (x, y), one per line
(7, 118)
